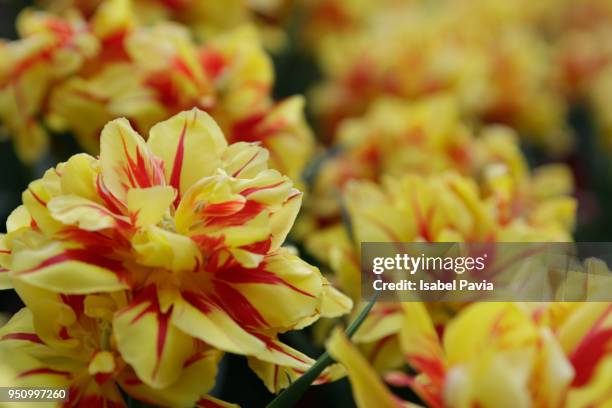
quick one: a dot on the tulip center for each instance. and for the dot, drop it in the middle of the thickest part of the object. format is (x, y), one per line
(168, 223)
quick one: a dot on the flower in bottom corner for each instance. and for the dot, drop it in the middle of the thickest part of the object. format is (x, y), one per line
(496, 355)
(65, 341)
(189, 229)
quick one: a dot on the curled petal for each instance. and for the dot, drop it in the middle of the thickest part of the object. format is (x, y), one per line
(287, 279)
(334, 303)
(82, 213)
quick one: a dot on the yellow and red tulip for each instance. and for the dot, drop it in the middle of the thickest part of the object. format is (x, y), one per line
(190, 229)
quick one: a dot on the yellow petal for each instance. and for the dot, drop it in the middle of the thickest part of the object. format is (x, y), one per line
(286, 279)
(150, 343)
(19, 218)
(101, 362)
(70, 271)
(419, 340)
(203, 320)
(281, 221)
(80, 212)
(49, 314)
(484, 326)
(368, 389)
(245, 160)
(190, 144)
(149, 205)
(126, 161)
(79, 177)
(158, 247)
(382, 321)
(197, 378)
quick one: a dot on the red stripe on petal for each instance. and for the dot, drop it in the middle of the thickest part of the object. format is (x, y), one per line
(254, 128)
(31, 337)
(252, 190)
(162, 335)
(209, 244)
(63, 333)
(238, 274)
(177, 167)
(37, 198)
(433, 368)
(199, 301)
(590, 351)
(44, 371)
(223, 209)
(80, 255)
(137, 171)
(430, 394)
(237, 172)
(76, 303)
(237, 305)
(249, 211)
(111, 202)
(149, 296)
(261, 247)
(194, 359)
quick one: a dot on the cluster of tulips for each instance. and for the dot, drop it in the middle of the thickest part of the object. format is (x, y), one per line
(178, 234)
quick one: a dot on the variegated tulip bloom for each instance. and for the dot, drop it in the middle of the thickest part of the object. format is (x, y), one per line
(186, 230)
(442, 207)
(203, 18)
(66, 341)
(147, 74)
(492, 57)
(428, 138)
(163, 71)
(495, 355)
(52, 49)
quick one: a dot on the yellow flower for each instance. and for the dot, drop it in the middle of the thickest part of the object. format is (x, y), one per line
(204, 18)
(164, 72)
(191, 228)
(66, 341)
(445, 207)
(75, 75)
(496, 355)
(490, 56)
(395, 138)
(51, 49)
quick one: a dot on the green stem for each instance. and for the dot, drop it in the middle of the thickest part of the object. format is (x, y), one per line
(294, 392)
